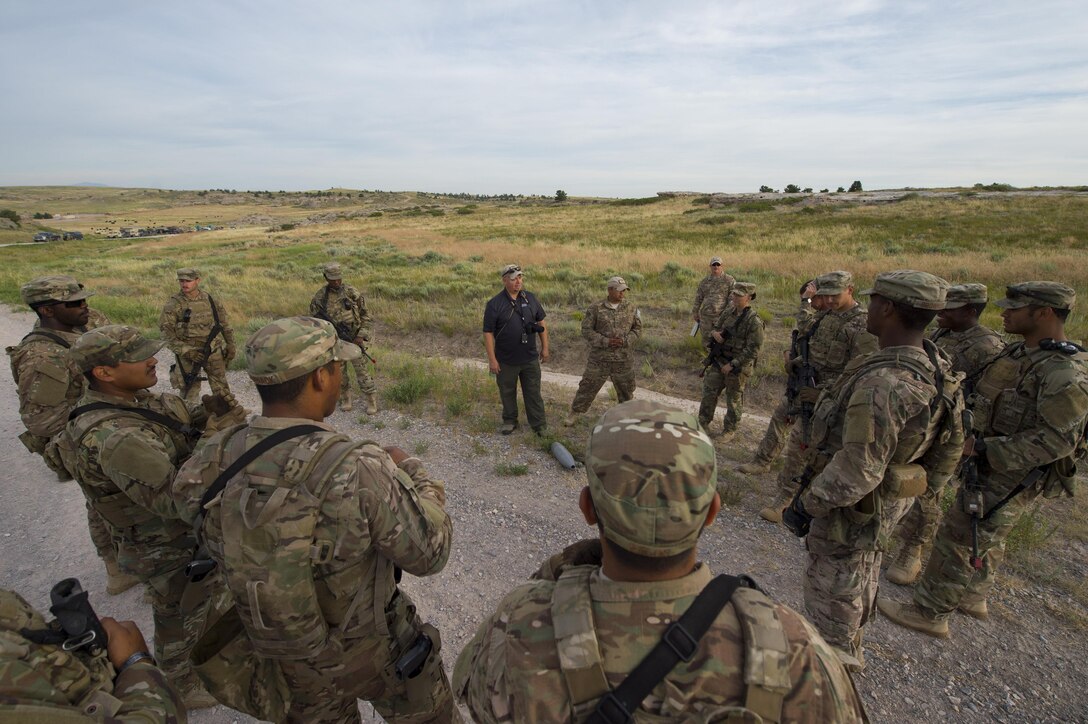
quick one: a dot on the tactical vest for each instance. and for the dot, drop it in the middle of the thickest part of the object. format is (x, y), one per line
(731, 342)
(268, 547)
(829, 346)
(766, 659)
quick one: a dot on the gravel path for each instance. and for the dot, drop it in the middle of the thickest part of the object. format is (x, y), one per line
(1022, 665)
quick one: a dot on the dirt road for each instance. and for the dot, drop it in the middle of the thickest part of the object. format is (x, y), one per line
(1022, 665)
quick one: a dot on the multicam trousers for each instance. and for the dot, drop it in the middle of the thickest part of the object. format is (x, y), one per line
(597, 372)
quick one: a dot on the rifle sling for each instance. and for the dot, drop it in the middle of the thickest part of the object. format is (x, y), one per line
(156, 417)
(679, 643)
(49, 335)
(1030, 479)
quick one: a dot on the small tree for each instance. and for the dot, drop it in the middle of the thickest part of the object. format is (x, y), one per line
(766, 189)
(10, 214)
(43, 215)
(560, 195)
(855, 187)
(792, 189)
(840, 190)
(823, 191)
(807, 190)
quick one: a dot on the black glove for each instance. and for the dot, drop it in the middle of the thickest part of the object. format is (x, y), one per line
(796, 519)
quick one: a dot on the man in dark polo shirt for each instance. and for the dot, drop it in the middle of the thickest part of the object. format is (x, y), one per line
(513, 320)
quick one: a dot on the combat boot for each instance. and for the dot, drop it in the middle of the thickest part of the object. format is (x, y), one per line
(570, 419)
(912, 616)
(117, 581)
(975, 608)
(345, 401)
(198, 698)
(371, 404)
(907, 565)
(773, 512)
(755, 467)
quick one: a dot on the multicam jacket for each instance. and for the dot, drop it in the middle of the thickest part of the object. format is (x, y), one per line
(743, 335)
(345, 308)
(711, 297)
(836, 338)
(885, 410)
(512, 669)
(602, 323)
(48, 384)
(186, 338)
(970, 350)
(42, 682)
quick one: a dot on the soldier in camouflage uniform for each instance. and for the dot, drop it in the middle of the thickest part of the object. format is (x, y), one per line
(43, 682)
(123, 446)
(836, 337)
(740, 332)
(187, 321)
(971, 347)
(345, 307)
(889, 428)
(556, 645)
(610, 327)
(785, 413)
(1030, 409)
(711, 298)
(49, 387)
(314, 577)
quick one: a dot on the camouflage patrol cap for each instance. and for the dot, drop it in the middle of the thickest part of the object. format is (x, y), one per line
(58, 288)
(511, 270)
(1040, 294)
(835, 282)
(617, 283)
(742, 289)
(292, 347)
(111, 345)
(917, 289)
(188, 274)
(332, 271)
(960, 295)
(652, 476)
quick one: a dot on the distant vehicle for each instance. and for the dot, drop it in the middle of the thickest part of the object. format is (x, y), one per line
(73, 235)
(46, 236)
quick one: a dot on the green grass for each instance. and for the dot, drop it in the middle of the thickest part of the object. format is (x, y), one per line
(511, 469)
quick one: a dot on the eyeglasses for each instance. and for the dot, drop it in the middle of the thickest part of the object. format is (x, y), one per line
(75, 304)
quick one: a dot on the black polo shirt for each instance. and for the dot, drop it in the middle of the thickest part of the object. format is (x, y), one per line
(506, 319)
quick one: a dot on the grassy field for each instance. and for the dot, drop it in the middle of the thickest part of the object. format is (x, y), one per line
(428, 262)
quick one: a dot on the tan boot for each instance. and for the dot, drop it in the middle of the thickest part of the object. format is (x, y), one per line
(570, 419)
(198, 698)
(907, 565)
(754, 468)
(345, 401)
(116, 580)
(372, 404)
(912, 616)
(975, 609)
(773, 512)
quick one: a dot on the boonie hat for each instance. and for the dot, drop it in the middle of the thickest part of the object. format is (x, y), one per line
(332, 272)
(917, 289)
(743, 289)
(188, 274)
(111, 345)
(57, 288)
(715, 260)
(291, 347)
(511, 269)
(835, 282)
(960, 295)
(1040, 294)
(617, 283)
(652, 476)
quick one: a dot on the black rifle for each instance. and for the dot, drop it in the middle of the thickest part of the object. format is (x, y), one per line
(191, 377)
(794, 516)
(343, 331)
(806, 377)
(973, 501)
(78, 624)
(716, 355)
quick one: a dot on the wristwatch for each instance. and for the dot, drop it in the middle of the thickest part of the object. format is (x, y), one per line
(135, 659)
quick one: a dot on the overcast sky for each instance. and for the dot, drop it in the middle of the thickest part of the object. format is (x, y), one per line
(622, 98)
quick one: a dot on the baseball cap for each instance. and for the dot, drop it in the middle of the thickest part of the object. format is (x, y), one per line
(835, 282)
(57, 288)
(652, 477)
(511, 269)
(112, 345)
(188, 274)
(960, 295)
(715, 260)
(332, 271)
(1040, 294)
(743, 288)
(617, 283)
(917, 289)
(292, 347)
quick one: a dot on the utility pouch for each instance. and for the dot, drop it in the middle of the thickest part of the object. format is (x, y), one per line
(905, 480)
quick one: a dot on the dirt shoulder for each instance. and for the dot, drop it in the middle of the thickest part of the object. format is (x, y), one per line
(1023, 664)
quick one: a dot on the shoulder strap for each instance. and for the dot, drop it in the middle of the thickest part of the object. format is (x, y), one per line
(49, 335)
(766, 653)
(576, 637)
(156, 417)
(679, 643)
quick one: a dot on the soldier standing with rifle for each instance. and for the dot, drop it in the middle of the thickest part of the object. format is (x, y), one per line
(343, 306)
(737, 337)
(196, 330)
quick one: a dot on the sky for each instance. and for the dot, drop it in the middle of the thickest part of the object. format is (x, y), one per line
(617, 98)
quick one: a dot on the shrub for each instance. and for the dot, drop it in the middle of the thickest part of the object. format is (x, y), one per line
(10, 214)
(716, 220)
(560, 195)
(792, 189)
(855, 187)
(635, 202)
(43, 215)
(765, 189)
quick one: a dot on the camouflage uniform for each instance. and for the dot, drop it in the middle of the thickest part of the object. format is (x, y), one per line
(711, 299)
(1030, 408)
(49, 386)
(888, 413)
(346, 309)
(970, 351)
(44, 683)
(124, 464)
(743, 335)
(835, 339)
(555, 646)
(331, 616)
(603, 322)
(186, 339)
